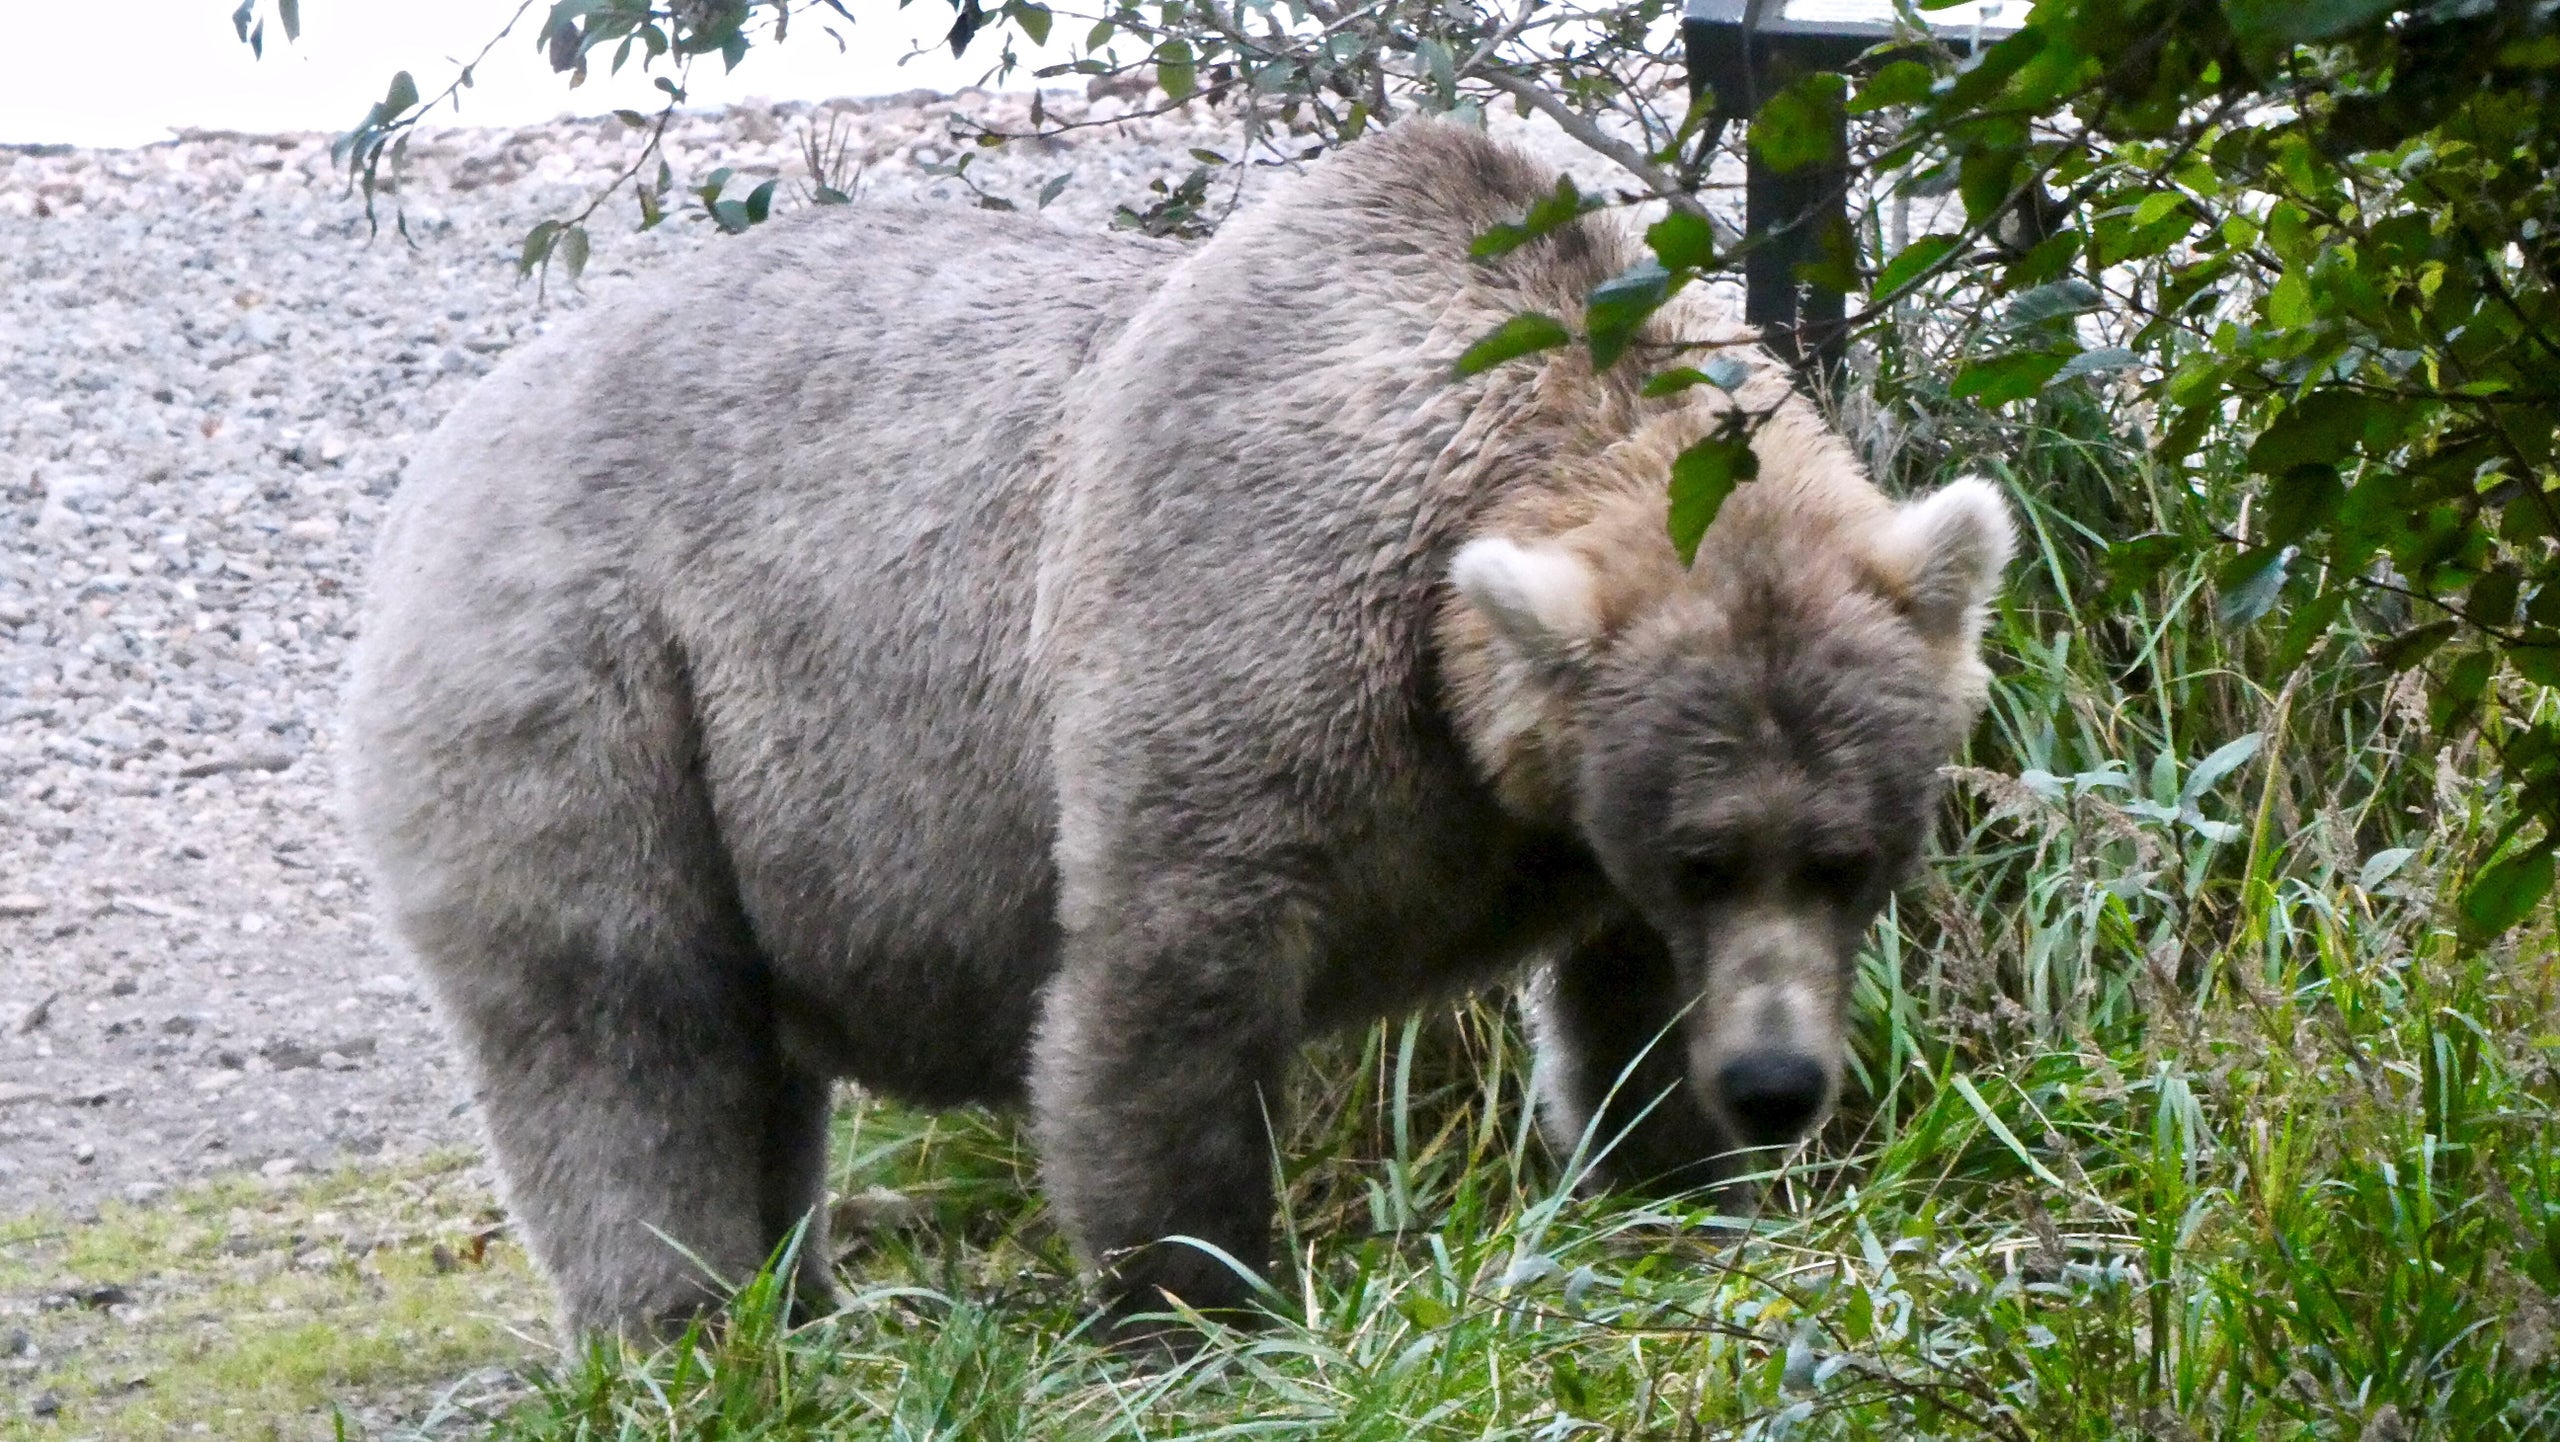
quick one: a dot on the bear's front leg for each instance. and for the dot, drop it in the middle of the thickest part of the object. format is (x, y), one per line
(1610, 1024)
(1155, 1087)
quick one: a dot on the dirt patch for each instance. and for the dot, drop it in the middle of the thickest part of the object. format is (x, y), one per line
(391, 1300)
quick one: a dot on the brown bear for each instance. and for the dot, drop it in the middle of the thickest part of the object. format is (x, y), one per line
(992, 664)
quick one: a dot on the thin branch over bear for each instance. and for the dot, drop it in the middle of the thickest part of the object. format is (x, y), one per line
(992, 664)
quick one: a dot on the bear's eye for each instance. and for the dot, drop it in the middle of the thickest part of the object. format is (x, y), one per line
(1703, 876)
(1835, 875)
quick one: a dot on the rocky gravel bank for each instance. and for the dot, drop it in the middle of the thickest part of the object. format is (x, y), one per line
(210, 378)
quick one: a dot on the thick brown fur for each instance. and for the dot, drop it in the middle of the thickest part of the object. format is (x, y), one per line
(989, 664)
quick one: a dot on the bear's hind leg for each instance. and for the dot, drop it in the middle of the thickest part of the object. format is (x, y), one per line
(795, 1183)
(637, 1104)
(1612, 1057)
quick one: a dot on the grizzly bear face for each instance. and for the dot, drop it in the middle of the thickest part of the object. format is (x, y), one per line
(1753, 753)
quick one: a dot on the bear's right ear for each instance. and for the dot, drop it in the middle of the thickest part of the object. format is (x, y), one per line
(1540, 601)
(1950, 547)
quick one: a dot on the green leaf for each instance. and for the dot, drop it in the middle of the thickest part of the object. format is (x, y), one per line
(290, 12)
(2301, 501)
(2508, 891)
(2004, 378)
(2226, 758)
(2068, 297)
(2382, 866)
(1682, 240)
(402, 95)
(2095, 362)
(1914, 259)
(2319, 429)
(1904, 82)
(537, 246)
(1703, 476)
(573, 250)
(1986, 178)
(760, 201)
(1552, 211)
(2536, 660)
(2300, 22)
(2411, 647)
(1175, 70)
(241, 17)
(1801, 124)
(2135, 562)
(1572, 1393)
(1724, 373)
(2289, 302)
(1425, 1311)
(1034, 20)
(1619, 307)
(2251, 582)
(1521, 335)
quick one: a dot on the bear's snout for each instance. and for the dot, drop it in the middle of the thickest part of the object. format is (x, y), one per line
(1773, 1096)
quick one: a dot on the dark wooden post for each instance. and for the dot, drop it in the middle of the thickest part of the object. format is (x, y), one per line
(1738, 58)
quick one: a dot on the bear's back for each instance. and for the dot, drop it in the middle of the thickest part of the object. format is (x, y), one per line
(780, 505)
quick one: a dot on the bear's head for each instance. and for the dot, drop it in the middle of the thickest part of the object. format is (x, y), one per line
(1748, 745)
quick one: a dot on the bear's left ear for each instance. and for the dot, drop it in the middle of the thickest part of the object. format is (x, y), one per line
(1539, 600)
(1948, 548)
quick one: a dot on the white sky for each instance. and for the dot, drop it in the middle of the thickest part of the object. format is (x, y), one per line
(127, 72)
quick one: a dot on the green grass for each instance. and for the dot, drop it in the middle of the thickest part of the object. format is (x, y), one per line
(265, 1311)
(2181, 1110)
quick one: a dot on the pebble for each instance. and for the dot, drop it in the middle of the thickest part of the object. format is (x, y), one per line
(37, 1015)
(19, 903)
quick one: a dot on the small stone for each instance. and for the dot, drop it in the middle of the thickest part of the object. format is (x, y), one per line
(441, 1258)
(279, 1168)
(244, 761)
(336, 1061)
(45, 1405)
(179, 1025)
(315, 528)
(38, 1014)
(21, 903)
(103, 1296)
(290, 1056)
(84, 1153)
(143, 1194)
(124, 986)
(873, 1210)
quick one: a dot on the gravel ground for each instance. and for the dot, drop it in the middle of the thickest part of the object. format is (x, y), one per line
(209, 382)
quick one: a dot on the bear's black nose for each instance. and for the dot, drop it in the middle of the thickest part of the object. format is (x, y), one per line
(1772, 1095)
